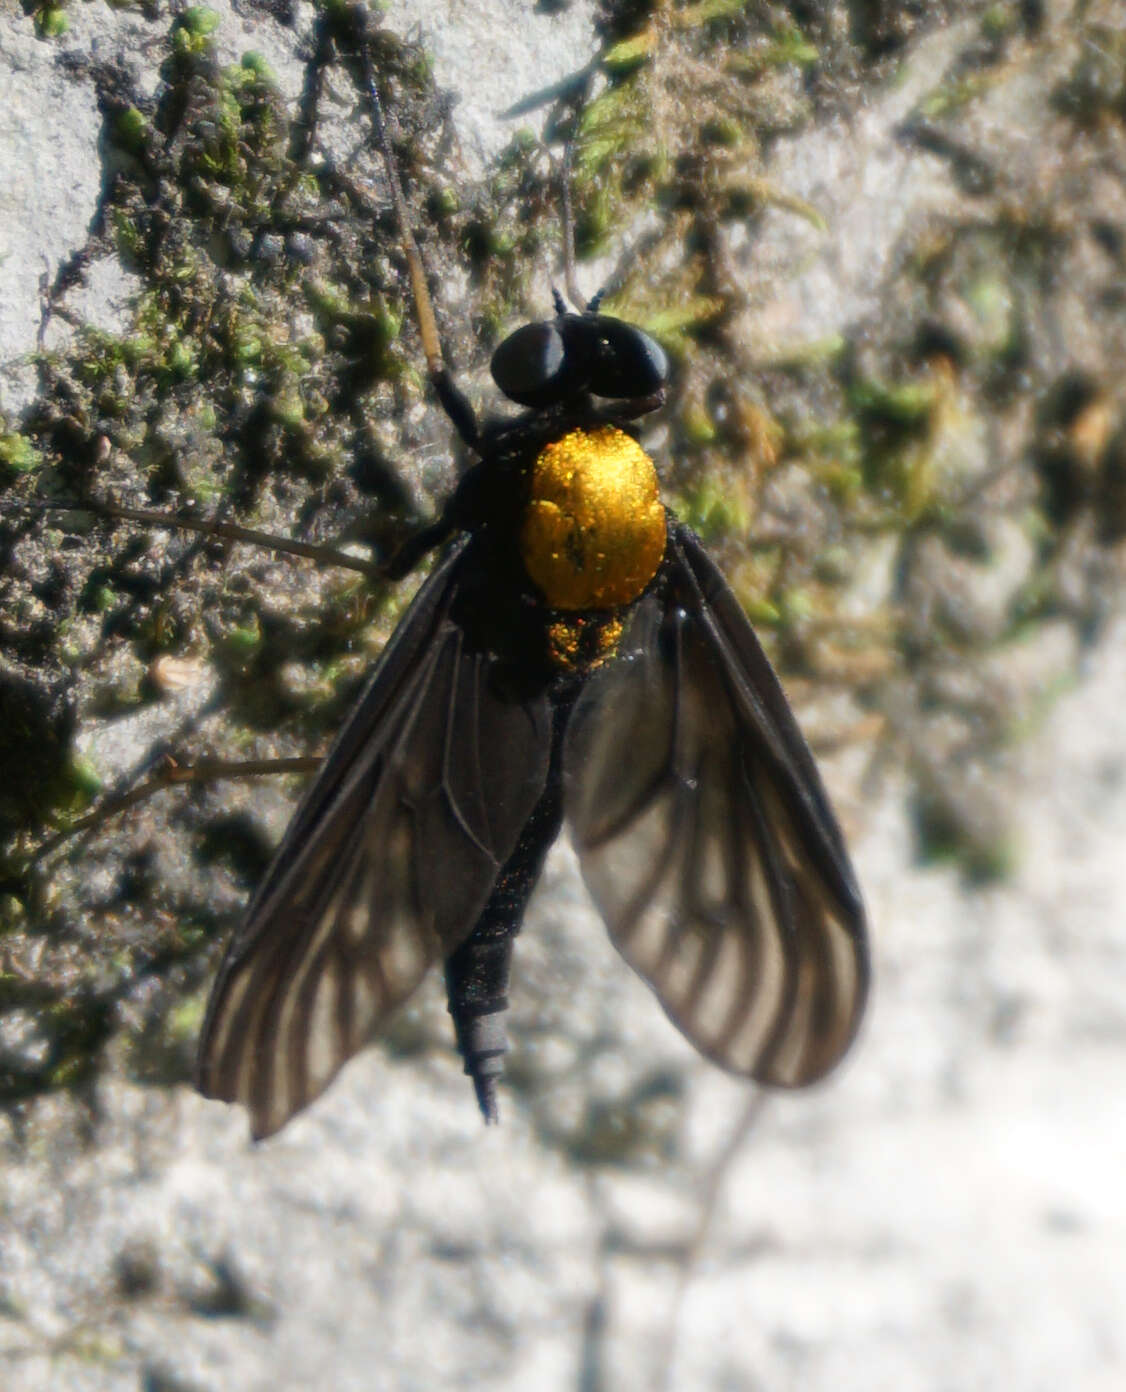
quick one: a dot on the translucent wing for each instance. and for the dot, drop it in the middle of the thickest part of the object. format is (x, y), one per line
(707, 840)
(385, 868)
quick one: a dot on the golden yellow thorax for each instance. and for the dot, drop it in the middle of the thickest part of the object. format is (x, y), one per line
(594, 532)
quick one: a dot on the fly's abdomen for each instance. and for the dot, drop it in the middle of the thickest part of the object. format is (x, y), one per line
(594, 531)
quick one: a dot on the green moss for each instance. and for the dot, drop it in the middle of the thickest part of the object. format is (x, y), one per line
(713, 511)
(258, 70)
(761, 612)
(810, 353)
(183, 1023)
(999, 21)
(52, 21)
(900, 404)
(131, 128)
(790, 45)
(84, 779)
(621, 57)
(17, 453)
(192, 31)
(243, 642)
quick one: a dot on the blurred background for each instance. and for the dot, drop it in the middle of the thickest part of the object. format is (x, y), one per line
(883, 245)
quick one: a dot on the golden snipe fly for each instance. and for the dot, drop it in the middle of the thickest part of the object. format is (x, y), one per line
(573, 658)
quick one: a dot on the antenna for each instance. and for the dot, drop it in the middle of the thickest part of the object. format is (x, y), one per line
(568, 217)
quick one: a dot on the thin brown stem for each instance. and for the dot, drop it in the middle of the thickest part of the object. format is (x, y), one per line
(712, 1189)
(424, 308)
(169, 775)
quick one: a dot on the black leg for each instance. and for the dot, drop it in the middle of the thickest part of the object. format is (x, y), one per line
(456, 405)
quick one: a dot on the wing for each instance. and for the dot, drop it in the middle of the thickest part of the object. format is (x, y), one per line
(385, 868)
(706, 837)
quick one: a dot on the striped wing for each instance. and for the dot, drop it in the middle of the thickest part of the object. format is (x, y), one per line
(707, 840)
(384, 870)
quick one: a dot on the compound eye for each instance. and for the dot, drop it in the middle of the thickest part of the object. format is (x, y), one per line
(629, 365)
(530, 366)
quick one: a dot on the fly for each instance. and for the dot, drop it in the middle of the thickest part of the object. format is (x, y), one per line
(574, 658)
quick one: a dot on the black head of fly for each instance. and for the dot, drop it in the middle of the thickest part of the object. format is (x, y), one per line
(560, 360)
